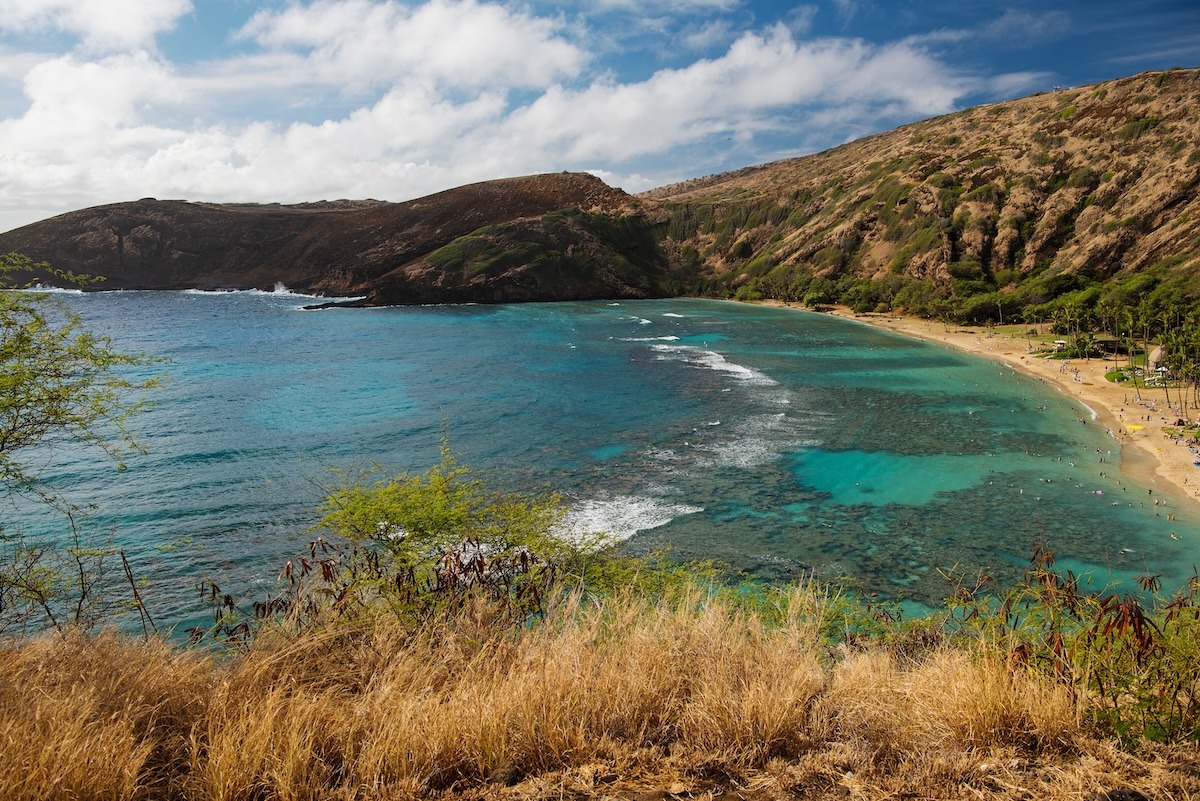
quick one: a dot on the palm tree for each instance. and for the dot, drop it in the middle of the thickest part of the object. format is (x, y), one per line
(1085, 343)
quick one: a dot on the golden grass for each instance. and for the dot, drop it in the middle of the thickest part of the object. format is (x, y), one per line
(102, 717)
(620, 699)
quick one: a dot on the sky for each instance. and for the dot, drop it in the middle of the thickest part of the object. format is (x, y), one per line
(104, 101)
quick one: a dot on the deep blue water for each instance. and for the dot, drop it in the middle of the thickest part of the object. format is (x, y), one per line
(777, 441)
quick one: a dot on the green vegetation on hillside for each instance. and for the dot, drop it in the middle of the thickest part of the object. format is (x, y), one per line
(564, 249)
(1004, 214)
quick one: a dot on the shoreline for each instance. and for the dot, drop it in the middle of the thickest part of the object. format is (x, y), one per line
(1148, 454)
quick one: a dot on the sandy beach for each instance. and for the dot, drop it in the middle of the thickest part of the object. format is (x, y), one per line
(1149, 454)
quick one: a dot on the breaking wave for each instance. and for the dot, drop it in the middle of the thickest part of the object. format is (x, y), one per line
(623, 516)
(711, 360)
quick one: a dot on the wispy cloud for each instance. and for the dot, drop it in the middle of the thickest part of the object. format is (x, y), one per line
(1026, 29)
(708, 35)
(673, 6)
(846, 9)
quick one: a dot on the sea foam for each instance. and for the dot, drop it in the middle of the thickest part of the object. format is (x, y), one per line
(43, 289)
(280, 290)
(711, 360)
(623, 516)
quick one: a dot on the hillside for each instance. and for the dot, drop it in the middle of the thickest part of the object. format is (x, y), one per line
(1084, 197)
(391, 253)
(995, 209)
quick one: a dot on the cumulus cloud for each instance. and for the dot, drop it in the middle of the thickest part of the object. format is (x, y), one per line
(454, 43)
(73, 99)
(353, 98)
(760, 75)
(104, 25)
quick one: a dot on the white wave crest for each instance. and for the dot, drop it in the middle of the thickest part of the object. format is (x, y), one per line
(758, 440)
(671, 314)
(46, 289)
(280, 290)
(649, 339)
(623, 516)
(711, 360)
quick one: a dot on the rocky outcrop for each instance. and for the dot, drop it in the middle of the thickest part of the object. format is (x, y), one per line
(548, 233)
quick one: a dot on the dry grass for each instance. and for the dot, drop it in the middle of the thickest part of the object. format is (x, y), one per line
(621, 699)
(96, 717)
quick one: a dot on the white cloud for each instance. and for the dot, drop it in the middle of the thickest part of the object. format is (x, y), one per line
(800, 19)
(760, 75)
(902, 75)
(675, 6)
(846, 9)
(102, 25)
(351, 98)
(78, 99)
(454, 43)
(1013, 84)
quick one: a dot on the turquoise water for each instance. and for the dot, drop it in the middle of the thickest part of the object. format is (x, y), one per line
(777, 441)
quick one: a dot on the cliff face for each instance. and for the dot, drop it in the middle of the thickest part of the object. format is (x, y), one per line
(1019, 199)
(392, 253)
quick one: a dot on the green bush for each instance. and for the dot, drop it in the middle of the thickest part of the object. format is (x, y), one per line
(1137, 652)
(987, 193)
(59, 383)
(1136, 127)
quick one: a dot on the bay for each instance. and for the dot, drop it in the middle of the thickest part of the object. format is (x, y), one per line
(778, 442)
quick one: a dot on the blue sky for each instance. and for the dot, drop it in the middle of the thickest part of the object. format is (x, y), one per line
(232, 100)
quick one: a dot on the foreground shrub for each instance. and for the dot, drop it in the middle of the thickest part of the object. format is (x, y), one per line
(1134, 656)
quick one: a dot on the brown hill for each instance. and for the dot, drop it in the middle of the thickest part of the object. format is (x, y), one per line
(1085, 195)
(392, 253)
(1012, 204)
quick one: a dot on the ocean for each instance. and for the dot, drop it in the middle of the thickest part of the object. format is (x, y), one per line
(780, 443)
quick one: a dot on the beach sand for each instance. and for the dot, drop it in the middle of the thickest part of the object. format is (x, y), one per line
(1149, 454)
